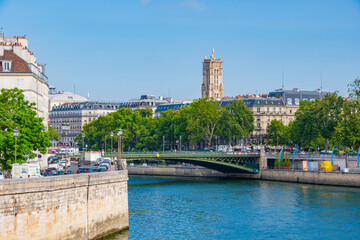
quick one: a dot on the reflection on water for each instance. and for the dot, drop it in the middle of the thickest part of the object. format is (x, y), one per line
(200, 208)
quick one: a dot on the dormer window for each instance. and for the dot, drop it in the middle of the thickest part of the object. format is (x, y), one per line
(6, 65)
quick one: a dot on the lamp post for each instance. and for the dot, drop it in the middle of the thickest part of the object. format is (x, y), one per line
(111, 135)
(105, 146)
(180, 143)
(65, 128)
(163, 143)
(83, 138)
(119, 134)
(16, 134)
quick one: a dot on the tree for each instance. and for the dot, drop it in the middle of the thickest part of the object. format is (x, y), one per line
(236, 121)
(16, 113)
(204, 116)
(53, 134)
(277, 133)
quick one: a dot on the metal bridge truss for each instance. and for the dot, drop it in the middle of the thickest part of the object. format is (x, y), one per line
(226, 163)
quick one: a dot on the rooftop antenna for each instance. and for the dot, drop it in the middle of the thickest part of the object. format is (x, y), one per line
(283, 80)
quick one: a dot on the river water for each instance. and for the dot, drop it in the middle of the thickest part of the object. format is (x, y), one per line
(205, 208)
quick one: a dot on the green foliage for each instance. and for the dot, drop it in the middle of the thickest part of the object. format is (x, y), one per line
(194, 123)
(16, 113)
(278, 133)
(236, 121)
(53, 134)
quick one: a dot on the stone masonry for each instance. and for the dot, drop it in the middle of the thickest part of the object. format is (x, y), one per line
(84, 206)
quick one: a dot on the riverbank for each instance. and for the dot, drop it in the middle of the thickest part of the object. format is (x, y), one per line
(323, 178)
(184, 171)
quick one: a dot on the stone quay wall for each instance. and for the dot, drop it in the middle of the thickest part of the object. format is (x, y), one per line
(325, 178)
(184, 171)
(81, 206)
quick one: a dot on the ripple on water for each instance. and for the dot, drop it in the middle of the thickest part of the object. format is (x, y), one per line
(198, 208)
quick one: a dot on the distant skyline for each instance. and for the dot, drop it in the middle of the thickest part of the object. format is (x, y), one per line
(119, 50)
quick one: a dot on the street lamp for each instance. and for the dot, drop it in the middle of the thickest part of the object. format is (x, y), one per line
(119, 134)
(163, 143)
(111, 135)
(180, 143)
(16, 134)
(65, 128)
(83, 138)
(105, 146)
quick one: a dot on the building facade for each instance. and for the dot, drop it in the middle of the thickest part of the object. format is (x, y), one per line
(212, 86)
(293, 97)
(19, 69)
(58, 98)
(77, 114)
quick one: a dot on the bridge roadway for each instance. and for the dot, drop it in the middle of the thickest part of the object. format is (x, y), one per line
(236, 162)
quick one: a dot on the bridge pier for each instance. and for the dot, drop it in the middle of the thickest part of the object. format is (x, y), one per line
(262, 160)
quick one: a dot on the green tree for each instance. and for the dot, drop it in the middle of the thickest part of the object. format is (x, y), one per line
(16, 113)
(277, 133)
(236, 121)
(203, 119)
(53, 134)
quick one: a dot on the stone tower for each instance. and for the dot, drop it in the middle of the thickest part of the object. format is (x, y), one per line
(212, 86)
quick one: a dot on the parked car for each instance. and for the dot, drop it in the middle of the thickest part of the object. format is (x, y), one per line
(106, 161)
(84, 170)
(101, 169)
(63, 162)
(98, 161)
(1, 175)
(62, 172)
(50, 172)
(104, 165)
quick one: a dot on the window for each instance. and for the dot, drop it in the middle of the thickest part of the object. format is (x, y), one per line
(258, 110)
(274, 110)
(268, 110)
(297, 101)
(268, 119)
(258, 125)
(258, 118)
(279, 110)
(290, 111)
(6, 66)
(289, 101)
(274, 118)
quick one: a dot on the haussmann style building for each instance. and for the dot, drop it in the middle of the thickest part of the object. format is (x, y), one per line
(19, 69)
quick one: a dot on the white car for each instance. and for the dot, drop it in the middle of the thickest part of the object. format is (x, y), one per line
(1, 175)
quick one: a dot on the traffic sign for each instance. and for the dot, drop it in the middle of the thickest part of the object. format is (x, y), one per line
(53, 152)
(39, 156)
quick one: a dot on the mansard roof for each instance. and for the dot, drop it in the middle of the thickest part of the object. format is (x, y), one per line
(17, 63)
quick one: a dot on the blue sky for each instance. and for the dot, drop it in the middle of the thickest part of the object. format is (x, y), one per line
(118, 50)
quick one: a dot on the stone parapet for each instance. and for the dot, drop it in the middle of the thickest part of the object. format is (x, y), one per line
(81, 206)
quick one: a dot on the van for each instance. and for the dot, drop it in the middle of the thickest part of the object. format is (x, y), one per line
(25, 170)
(56, 166)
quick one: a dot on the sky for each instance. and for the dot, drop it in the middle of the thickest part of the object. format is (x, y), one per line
(118, 50)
